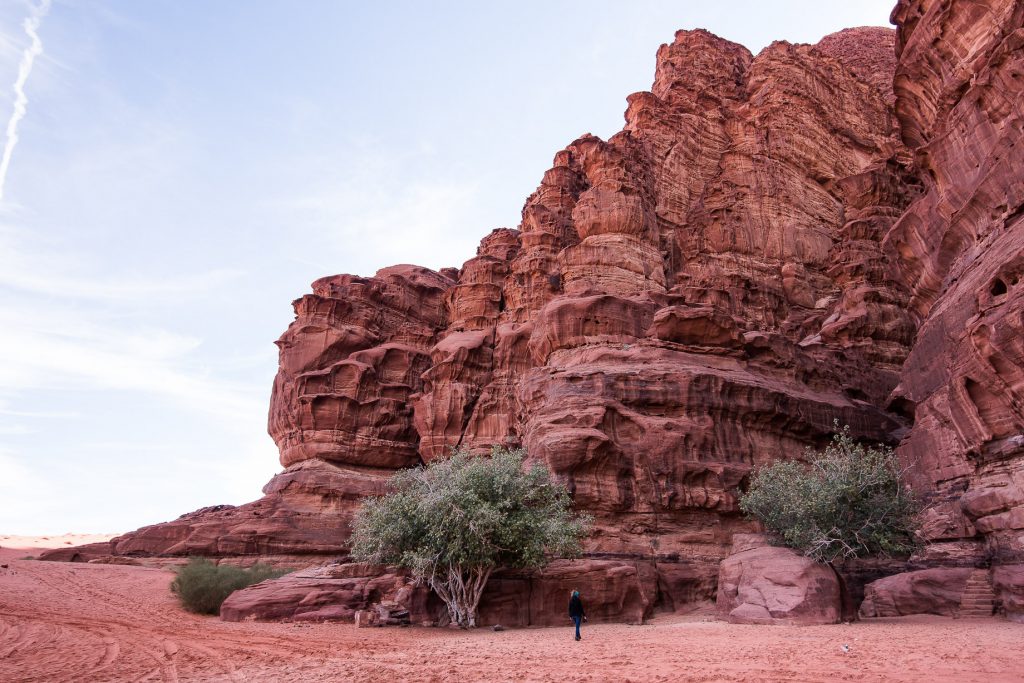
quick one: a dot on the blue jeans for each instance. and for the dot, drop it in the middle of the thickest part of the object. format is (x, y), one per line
(577, 621)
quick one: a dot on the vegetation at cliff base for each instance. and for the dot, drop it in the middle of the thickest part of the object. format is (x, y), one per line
(457, 519)
(202, 585)
(845, 501)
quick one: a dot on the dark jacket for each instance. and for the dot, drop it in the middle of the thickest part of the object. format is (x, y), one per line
(576, 607)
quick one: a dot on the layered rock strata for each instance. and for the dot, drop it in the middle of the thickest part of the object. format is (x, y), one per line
(336, 592)
(701, 294)
(959, 248)
(772, 244)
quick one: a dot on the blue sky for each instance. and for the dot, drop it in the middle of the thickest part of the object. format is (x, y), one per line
(185, 168)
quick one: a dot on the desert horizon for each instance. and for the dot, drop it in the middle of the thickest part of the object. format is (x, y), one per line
(50, 541)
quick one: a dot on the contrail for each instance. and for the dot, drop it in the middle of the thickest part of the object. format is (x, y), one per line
(35, 49)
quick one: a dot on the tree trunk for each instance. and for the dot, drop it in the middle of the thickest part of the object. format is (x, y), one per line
(460, 589)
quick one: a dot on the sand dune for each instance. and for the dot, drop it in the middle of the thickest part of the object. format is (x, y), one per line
(88, 622)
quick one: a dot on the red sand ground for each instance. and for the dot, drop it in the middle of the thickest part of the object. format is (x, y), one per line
(90, 622)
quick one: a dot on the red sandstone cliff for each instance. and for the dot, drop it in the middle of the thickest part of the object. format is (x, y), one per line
(770, 244)
(959, 249)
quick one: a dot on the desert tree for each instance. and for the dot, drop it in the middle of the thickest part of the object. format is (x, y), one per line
(456, 520)
(845, 501)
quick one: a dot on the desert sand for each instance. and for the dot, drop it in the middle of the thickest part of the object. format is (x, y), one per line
(94, 622)
(22, 546)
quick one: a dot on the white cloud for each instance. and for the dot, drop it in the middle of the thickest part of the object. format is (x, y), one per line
(371, 207)
(15, 477)
(15, 430)
(35, 48)
(60, 329)
(45, 415)
(20, 276)
(144, 398)
(63, 350)
(415, 224)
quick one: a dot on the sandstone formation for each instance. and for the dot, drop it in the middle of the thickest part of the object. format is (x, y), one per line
(772, 243)
(330, 593)
(927, 591)
(1008, 581)
(336, 592)
(700, 294)
(760, 584)
(79, 553)
(959, 249)
(654, 327)
(305, 512)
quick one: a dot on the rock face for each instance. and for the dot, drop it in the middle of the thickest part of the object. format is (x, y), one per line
(306, 511)
(772, 243)
(336, 592)
(1008, 581)
(928, 591)
(330, 593)
(701, 294)
(959, 249)
(670, 313)
(613, 591)
(760, 584)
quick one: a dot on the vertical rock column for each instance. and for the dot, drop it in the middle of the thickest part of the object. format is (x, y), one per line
(960, 250)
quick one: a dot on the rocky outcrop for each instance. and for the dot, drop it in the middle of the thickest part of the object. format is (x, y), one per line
(78, 553)
(333, 592)
(306, 512)
(615, 591)
(959, 249)
(699, 295)
(928, 591)
(772, 243)
(761, 584)
(1008, 581)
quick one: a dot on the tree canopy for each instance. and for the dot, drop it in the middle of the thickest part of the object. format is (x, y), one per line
(845, 501)
(455, 520)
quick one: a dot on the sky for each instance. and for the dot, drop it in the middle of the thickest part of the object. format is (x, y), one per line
(176, 172)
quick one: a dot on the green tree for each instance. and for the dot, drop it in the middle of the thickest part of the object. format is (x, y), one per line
(846, 501)
(457, 519)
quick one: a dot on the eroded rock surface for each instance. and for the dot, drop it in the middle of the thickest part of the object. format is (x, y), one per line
(959, 249)
(772, 243)
(333, 592)
(928, 591)
(615, 591)
(761, 584)
(696, 296)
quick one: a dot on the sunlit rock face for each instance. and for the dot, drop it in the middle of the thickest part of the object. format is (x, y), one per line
(771, 244)
(702, 293)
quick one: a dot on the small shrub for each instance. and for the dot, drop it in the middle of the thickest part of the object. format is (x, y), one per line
(846, 501)
(202, 585)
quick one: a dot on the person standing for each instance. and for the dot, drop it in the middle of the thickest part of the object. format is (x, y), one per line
(576, 612)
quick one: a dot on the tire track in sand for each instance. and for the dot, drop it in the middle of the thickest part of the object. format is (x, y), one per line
(64, 622)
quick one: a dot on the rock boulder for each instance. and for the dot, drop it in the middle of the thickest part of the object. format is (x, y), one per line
(770, 585)
(928, 591)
